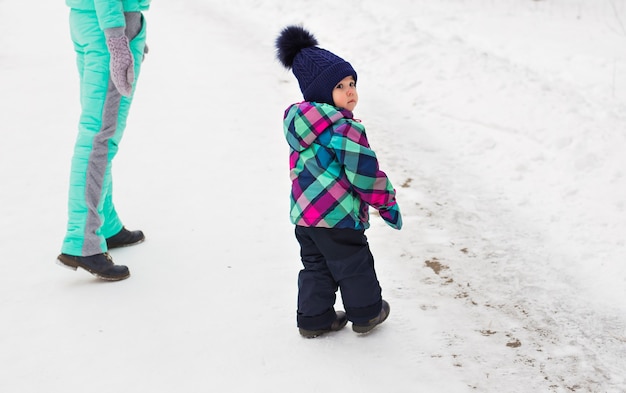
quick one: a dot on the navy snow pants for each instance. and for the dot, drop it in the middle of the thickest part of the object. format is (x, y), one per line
(335, 258)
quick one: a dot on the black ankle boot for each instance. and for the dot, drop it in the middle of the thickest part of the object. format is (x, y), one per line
(125, 238)
(100, 265)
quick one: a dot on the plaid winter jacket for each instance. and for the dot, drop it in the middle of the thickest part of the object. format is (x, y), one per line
(334, 173)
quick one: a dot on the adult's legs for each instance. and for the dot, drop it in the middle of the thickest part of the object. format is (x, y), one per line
(92, 216)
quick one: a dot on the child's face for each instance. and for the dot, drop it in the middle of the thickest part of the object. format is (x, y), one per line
(345, 95)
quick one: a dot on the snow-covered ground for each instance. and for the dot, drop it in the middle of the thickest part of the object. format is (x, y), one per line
(502, 123)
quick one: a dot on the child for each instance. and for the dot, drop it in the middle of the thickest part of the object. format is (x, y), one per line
(335, 178)
(110, 40)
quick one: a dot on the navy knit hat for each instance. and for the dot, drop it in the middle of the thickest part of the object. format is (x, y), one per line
(318, 71)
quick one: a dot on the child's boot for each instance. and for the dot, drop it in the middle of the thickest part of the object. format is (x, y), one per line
(340, 321)
(372, 323)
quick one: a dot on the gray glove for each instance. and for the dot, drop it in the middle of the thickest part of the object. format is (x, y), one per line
(122, 64)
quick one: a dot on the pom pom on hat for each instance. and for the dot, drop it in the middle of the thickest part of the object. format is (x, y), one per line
(318, 71)
(290, 42)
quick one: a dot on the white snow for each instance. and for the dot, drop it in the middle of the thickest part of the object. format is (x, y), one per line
(502, 125)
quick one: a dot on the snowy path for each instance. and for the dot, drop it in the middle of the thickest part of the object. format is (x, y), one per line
(506, 150)
(499, 241)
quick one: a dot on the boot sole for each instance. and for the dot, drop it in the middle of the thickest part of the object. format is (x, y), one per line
(74, 266)
(313, 333)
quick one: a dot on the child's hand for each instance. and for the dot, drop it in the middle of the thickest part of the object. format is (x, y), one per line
(122, 63)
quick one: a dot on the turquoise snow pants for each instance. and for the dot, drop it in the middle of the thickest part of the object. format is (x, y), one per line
(91, 213)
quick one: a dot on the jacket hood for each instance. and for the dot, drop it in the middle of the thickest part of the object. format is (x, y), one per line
(304, 122)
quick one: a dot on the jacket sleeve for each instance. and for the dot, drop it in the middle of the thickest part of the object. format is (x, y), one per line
(110, 13)
(362, 170)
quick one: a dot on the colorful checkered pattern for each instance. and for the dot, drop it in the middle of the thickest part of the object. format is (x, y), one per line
(334, 173)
